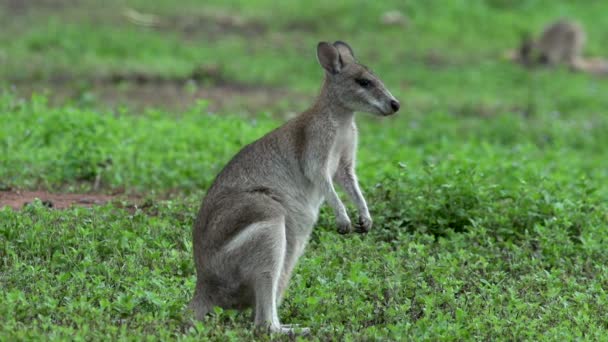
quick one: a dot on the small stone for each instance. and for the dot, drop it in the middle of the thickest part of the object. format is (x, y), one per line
(394, 18)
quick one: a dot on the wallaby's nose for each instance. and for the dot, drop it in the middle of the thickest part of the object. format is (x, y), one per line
(395, 105)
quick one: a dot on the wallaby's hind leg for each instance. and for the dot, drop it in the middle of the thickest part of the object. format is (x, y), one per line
(266, 292)
(261, 247)
(264, 287)
(294, 250)
(198, 305)
(266, 316)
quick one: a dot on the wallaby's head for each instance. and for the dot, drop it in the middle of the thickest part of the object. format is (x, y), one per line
(351, 84)
(526, 48)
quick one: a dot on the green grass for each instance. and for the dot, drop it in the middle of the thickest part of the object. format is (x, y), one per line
(488, 191)
(52, 147)
(469, 39)
(479, 232)
(105, 273)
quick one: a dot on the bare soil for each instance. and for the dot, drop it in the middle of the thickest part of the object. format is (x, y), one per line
(142, 90)
(221, 99)
(17, 199)
(211, 24)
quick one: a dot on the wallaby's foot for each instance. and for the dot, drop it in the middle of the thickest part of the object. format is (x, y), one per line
(293, 329)
(364, 225)
(285, 329)
(344, 227)
(198, 308)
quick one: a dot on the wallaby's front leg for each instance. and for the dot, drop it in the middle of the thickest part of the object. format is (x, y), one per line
(342, 219)
(316, 170)
(346, 177)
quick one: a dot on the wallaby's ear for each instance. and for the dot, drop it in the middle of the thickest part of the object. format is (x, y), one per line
(346, 52)
(329, 57)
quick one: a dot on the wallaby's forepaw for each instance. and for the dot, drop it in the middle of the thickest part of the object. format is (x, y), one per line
(344, 227)
(364, 225)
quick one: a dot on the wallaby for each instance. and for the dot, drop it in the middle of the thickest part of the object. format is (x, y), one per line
(561, 42)
(259, 212)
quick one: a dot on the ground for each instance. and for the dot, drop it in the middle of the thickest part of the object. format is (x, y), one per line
(18, 199)
(488, 189)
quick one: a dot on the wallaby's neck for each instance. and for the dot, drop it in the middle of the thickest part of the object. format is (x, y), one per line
(327, 104)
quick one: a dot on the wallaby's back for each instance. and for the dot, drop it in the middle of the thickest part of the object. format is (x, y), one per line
(267, 166)
(561, 43)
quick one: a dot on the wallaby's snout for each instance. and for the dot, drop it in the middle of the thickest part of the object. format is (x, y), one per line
(391, 107)
(354, 85)
(395, 106)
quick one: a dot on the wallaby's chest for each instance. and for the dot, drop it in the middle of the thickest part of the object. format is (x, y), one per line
(343, 142)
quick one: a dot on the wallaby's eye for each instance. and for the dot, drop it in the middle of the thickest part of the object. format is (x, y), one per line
(363, 82)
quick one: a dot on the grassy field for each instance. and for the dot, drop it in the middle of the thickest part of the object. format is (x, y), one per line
(489, 189)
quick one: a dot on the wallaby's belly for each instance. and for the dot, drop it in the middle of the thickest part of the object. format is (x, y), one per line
(301, 217)
(304, 209)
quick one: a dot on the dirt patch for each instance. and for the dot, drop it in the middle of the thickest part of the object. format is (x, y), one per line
(172, 97)
(142, 90)
(209, 74)
(224, 99)
(19, 199)
(211, 24)
(214, 26)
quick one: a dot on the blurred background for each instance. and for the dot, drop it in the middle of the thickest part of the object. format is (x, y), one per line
(253, 63)
(259, 56)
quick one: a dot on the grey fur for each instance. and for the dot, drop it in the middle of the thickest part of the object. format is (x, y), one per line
(256, 218)
(561, 42)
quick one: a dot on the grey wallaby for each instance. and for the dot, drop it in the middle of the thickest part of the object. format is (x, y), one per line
(561, 43)
(257, 217)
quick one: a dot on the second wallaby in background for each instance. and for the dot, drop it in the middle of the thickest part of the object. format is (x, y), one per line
(258, 214)
(561, 43)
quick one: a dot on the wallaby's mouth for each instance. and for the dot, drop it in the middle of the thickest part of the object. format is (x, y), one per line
(394, 106)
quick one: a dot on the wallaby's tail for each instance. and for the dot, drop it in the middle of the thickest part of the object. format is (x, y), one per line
(594, 66)
(199, 307)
